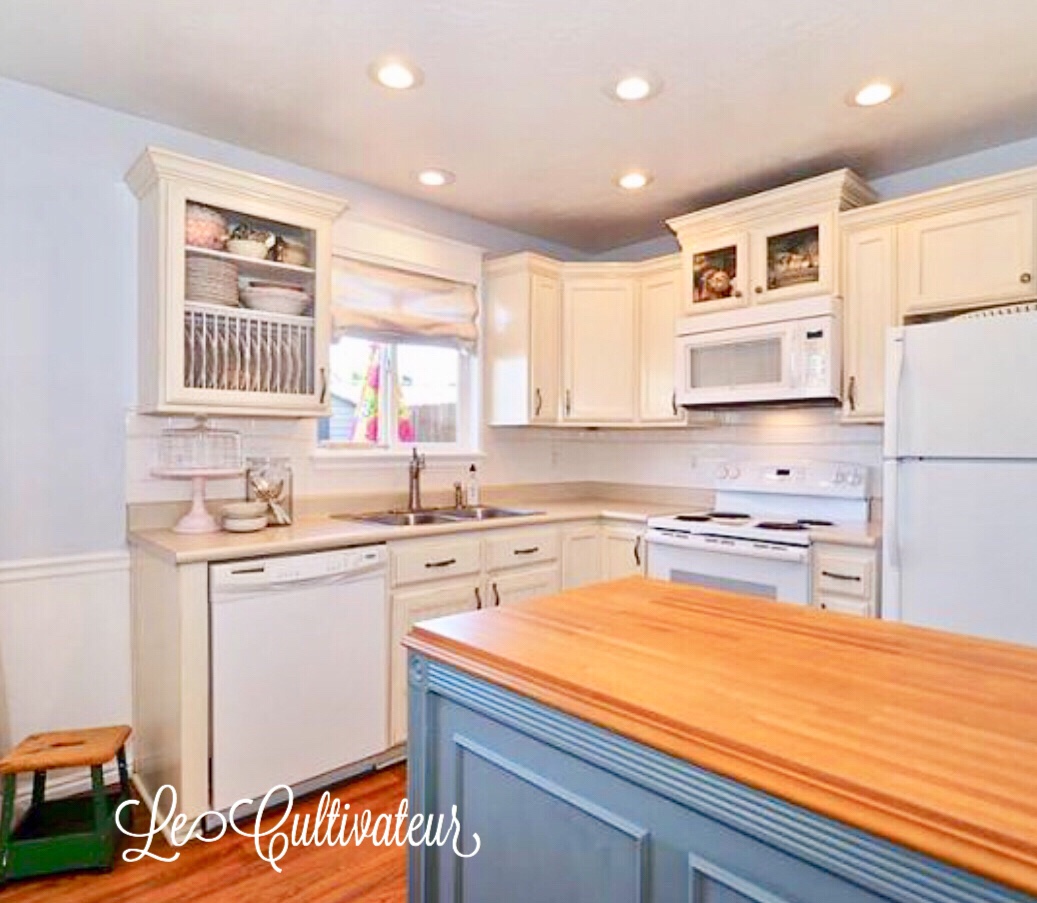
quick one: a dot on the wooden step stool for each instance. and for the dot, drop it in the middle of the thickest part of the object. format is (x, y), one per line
(65, 834)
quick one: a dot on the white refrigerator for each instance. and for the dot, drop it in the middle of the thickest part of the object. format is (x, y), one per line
(960, 476)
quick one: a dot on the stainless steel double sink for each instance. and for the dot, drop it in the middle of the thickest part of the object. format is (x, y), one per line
(436, 516)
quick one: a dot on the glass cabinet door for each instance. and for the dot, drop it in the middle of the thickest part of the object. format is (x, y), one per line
(717, 274)
(792, 258)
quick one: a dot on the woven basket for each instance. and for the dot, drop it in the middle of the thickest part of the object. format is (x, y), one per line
(212, 281)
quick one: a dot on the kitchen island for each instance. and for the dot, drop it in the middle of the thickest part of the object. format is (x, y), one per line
(645, 741)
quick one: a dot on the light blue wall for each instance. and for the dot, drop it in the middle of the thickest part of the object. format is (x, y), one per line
(68, 297)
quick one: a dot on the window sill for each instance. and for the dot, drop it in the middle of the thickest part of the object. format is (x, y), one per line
(332, 458)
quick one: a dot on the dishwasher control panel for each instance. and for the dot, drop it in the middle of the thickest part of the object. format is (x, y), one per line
(261, 572)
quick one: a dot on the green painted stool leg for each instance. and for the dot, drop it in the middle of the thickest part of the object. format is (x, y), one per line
(39, 784)
(6, 823)
(124, 772)
(100, 802)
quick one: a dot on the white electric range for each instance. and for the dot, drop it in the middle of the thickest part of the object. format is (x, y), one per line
(756, 539)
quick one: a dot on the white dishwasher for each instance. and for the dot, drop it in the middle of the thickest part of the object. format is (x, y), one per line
(299, 668)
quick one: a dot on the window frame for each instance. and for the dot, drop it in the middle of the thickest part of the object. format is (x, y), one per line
(466, 444)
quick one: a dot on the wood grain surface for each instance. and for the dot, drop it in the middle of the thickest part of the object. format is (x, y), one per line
(922, 737)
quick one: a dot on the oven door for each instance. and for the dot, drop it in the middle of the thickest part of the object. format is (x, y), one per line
(768, 570)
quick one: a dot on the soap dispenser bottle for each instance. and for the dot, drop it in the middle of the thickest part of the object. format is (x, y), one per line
(472, 491)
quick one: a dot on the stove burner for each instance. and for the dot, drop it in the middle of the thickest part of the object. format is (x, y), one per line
(727, 515)
(781, 525)
(692, 517)
(810, 522)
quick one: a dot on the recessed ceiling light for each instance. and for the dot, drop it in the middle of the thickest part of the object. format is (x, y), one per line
(634, 86)
(633, 180)
(436, 178)
(873, 93)
(395, 73)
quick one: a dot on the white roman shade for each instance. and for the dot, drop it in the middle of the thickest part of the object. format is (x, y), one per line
(389, 305)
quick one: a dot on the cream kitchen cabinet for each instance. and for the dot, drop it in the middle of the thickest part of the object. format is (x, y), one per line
(869, 310)
(433, 600)
(773, 246)
(623, 551)
(978, 254)
(599, 349)
(525, 583)
(581, 554)
(199, 352)
(846, 579)
(523, 331)
(659, 305)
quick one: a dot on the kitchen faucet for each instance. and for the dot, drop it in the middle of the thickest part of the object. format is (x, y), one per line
(415, 467)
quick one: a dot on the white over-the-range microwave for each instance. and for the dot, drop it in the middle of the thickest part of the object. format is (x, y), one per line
(780, 353)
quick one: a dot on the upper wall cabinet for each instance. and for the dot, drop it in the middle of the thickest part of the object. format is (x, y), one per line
(234, 290)
(523, 331)
(773, 246)
(977, 254)
(953, 249)
(599, 351)
(581, 344)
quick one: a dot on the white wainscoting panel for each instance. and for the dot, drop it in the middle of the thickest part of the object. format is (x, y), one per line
(64, 649)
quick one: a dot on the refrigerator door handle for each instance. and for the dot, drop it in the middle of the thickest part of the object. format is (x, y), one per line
(891, 543)
(894, 374)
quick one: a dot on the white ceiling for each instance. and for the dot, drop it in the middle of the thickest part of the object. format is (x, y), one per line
(512, 101)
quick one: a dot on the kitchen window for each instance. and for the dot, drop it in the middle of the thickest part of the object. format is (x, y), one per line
(402, 361)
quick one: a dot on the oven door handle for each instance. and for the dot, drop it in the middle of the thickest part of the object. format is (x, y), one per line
(727, 546)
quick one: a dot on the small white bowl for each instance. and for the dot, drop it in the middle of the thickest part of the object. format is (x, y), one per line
(244, 524)
(247, 247)
(244, 510)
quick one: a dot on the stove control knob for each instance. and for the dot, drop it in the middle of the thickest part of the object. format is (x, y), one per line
(840, 477)
(734, 473)
(722, 472)
(855, 478)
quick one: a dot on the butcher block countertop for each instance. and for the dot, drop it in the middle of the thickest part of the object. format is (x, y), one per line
(924, 738)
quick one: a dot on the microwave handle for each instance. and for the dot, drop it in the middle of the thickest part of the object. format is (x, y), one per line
(794, 342)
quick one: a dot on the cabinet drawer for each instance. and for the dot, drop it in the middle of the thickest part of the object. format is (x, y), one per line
(846, 606)
(844, 575)
(419, 562)
(521, 547)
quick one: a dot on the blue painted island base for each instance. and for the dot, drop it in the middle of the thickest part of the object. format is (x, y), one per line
(567, 812)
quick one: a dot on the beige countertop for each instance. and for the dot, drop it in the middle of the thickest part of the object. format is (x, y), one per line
(316, 532)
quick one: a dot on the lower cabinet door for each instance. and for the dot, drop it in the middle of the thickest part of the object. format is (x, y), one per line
(555, 826)
(408, 608)
(528, 583)
(623, 552)
(581, 555)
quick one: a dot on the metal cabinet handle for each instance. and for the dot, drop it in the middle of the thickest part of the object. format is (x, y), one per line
(851, 393)
(637, 551)
(496, 595)
(445, 563)
(538, 402)
(529, 551)
(1025, 277)
(835, 576)
(568, 402)
(478, 599)
(758, 290)
(738, 293)
(673, 403)
(323, 384)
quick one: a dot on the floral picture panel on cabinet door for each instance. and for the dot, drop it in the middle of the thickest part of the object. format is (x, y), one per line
(714, 273)
(793, 257)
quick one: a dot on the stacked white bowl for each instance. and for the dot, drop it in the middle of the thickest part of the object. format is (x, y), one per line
(244, 517)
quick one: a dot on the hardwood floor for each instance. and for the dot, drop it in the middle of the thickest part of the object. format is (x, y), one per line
(229, 869)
